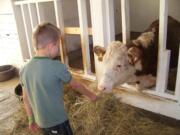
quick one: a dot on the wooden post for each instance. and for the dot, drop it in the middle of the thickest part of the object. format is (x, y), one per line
(125, 21)
(110, 20)
(163, 54)
(40, 14)
(101, 28)
(28, 30)
(60, 24)
(82, 11)
(33, 15)
(177, 89)
(20, 27)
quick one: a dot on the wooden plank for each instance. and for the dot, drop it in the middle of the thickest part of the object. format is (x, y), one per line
(100, 31)
(33, 15)
(177, 88)
(110, 20)
(148, 102)
(20, 2)
(82, 11)
(162, 95)
(20, 29)
(98, 22)
(125, 20)
(60, 24)
(163, 54)
(28, 32)
(75, 30)
(40, 15)
(79, 73)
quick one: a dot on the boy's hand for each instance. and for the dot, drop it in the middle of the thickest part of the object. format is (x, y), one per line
(83, 89)
(94, 97)
(33, 127)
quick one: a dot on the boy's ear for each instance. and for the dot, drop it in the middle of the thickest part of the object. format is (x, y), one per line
(99, 51)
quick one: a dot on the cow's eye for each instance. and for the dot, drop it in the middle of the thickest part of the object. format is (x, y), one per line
(119, 66)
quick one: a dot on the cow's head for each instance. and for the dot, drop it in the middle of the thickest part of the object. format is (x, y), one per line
(119, 64)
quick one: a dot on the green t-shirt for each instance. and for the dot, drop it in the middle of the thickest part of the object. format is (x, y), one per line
(43, 80)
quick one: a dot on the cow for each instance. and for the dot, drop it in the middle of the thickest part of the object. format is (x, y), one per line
(136, 61)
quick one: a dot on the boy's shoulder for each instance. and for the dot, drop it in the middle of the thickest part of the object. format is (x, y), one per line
(23, 67)
(58, 62)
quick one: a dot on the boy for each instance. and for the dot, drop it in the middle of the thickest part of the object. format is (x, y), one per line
(42, 79)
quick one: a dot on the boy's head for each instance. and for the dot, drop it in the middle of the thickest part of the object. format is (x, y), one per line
(46, 36)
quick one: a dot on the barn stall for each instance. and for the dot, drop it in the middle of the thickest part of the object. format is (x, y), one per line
(98, 22)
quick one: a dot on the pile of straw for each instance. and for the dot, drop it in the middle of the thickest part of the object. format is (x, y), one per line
(106, 116)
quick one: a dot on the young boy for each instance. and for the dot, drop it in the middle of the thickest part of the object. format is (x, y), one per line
(42, 79)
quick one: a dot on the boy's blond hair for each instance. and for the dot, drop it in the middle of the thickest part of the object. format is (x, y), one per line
(44, 34)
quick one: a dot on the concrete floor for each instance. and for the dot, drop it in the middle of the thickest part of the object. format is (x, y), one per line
(9, 104)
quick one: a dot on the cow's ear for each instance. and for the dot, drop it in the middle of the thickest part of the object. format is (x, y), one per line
(134, 55)
(99, 51)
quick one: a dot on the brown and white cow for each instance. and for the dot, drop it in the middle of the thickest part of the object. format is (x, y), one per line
(136, 61)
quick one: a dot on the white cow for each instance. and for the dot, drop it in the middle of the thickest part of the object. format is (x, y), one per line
(136, 61)
(118, 67)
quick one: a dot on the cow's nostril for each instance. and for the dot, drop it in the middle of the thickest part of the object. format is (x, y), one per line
(102, 88)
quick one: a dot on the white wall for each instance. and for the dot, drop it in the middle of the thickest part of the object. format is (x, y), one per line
(9, 43)
(174, 9)
(5, 6)
(143, 13)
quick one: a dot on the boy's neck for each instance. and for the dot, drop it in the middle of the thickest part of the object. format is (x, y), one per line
(42, 53)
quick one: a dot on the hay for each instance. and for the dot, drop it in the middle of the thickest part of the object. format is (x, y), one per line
(106, 116)
(21, 126)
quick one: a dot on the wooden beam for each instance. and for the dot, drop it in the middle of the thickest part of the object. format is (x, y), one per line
(33, 15)
(75, 30)
(28, 31)
(39, 10)
(60, 24)
(163, 54)
(99, 28)
(20, 29)
(21, 2)
(125, 20)
(110, 20)
(82, 12)
(177, 88)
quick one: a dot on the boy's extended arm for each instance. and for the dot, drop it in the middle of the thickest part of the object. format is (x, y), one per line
(83, 89)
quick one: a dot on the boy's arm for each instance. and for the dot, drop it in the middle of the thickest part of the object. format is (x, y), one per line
(83, 89)
(32, 125)
(27, 105)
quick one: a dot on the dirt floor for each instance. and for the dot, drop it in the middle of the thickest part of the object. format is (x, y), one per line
(107, 116)
(9, 105)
